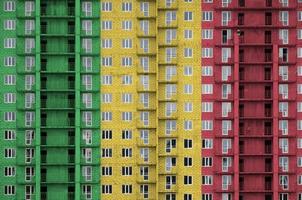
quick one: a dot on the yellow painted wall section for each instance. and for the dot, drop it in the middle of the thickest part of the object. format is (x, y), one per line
(161, 91)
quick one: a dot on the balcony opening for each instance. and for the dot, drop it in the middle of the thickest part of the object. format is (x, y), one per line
(43, 45)
(241, 183)
(44, 192)
(240, 18)
(241, 147)
(43, 27)
(241, 197)
(43, 156)
(71, 118)
(267, 73)
(224, 36)
(71, 155)
(241, 110)
(268, 3)
(268, 182)
(43, 8)
(268, 92)
(71, 25)
(71, 192)
(241, 55)
(268, 110)
(241, 165)
(283, 54)
(43, 174)
(267, 146)
(71, 82)
(71, 138)
(241, 3)
(43, 101)
(241, 37)
(241, 128)
(268, 18)
(241, 91)
(71, 101)
(267, 128)
(268, 165)
(71, 64)
(268, 197)
(43, 119)
(71, 46)
(268, 55)
(43, 64)
(71, 7)
(71, 173)
(43, 82)
(268, 37)
(43, 138)
(241, 73)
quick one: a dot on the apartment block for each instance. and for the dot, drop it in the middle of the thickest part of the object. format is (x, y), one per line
(49, 99)
(151, 89)
(251, 100)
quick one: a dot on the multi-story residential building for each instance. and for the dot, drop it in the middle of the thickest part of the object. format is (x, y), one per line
(49, 96)
(150, 99)
(252, 100)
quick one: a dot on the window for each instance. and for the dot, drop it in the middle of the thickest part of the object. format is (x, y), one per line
(207, 16)
(126, 134)
(144, 8)
(207, 196)
(283, 17)
(127, 25)
(207, 180)
(207, 125)
(207, 34)
(207, 161)
(9, 24)
(207, 53)
(9, 171)
(188, 16)
(29, 27)
(171, 54)
(283, 35)
(9, 116)
(188, 125)
(87, 27)
(87, 136)
(107, 80)
(188, 143)
(207, 89)
(9, 98)
(126, 43)
(127, 116)
(9, 190)
(299, 34)
(299, 143)
(9, 135)
(87, 173)
(170, 17)
(126, 152)
(126, 171)
(106, 153)
(106, 189)
(106, 116)
(188, 107)
(9, 61)
(188, 34)
(9, 43)
(106, 6)
(144, 26)
(188, 89)
(226, 145)
(299, 161)
(29, 63)
(188, 180)
(9, 6)
(207, 143)
(106, 134)
(29, 118)
(126, 61)
(126, 79)
(188, 161)
(9, 153)
(207, 106)
(299, 15)
(107, 61)
(87, 8)
(87, 45)
(9, 80)
(106, 98)
(188, 52)
(226, 18)
(207, 71)
(29, 45)
(126, 6)
(126, 97)
(106, 25)
(106, 171)
(283, 181)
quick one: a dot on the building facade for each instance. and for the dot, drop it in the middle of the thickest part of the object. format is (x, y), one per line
(251, 95)
(151, 85)
(49, 107)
